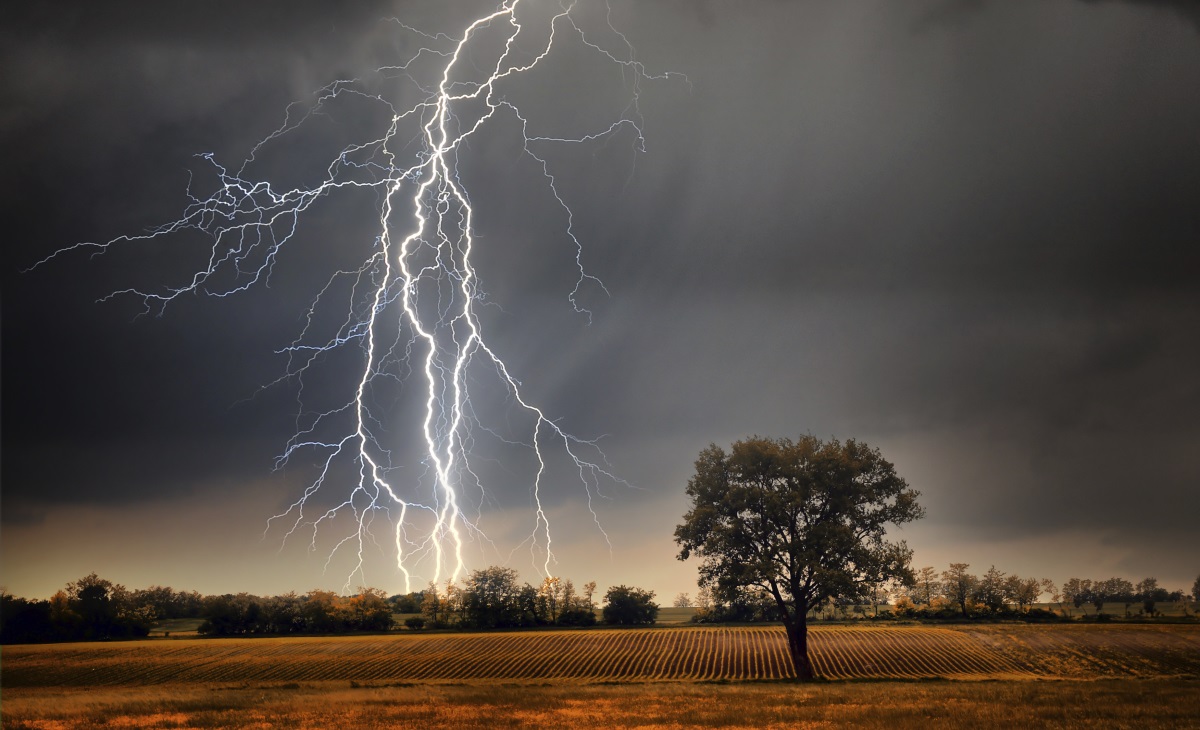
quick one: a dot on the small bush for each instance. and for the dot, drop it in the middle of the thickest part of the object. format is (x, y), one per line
(629, 606)
(581, 616)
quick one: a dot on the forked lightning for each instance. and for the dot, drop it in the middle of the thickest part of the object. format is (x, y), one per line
(419, 271)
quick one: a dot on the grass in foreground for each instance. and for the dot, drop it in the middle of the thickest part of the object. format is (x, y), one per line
(885, 705)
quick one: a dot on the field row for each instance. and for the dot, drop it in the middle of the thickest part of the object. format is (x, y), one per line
(693, 653)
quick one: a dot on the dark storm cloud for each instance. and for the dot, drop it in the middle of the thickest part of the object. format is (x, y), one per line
(952, 11)
(974, 243)
(972, 233)
(224, 22)
(1187, 9)
(98, 97)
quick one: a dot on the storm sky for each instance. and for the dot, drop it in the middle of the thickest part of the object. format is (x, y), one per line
(962, 231)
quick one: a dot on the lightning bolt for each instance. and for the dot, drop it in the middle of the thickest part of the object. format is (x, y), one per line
(413, 306)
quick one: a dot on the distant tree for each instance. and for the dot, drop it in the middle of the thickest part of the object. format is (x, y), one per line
(223, 616)
(991, 590)
(959, 586)
(91, 598)
(23, 621)
(160, 600)
(529, 606)
(629, 606)
(747, 604)
(926, 585)
(323, 612)
(878, 592)
(165, 602)
(1099, 595)
(1077, 591)
(904, 606)
(189, 604)
(283, 614)
(578, 611)
(682, 600)
(1048, 587)
(568, 598)
(435, 607)
(491, 598)
(1150, 594)
(407, 602)
(1113, 590)
(803, 521)
(704, 604)
(1196, 590)
(549, 600)
(1022, 591)
(416, 623)
(64, 620)
(369, 610)
(106, 609)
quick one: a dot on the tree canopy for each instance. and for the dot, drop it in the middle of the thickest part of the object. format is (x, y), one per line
(802, 520)
(629, 606)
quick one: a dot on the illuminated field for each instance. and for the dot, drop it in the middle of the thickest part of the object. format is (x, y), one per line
(636, 655)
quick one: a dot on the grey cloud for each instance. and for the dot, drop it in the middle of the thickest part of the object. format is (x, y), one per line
(974, 244)
(951, 12)
(1185, 8)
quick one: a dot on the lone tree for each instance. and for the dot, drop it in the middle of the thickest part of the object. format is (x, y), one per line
(802, 520)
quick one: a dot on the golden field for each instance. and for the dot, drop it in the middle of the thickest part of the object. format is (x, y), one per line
(995, 651)
(1120, 675)
(885, 705)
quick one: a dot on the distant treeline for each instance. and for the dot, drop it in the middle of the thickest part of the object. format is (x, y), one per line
(492, 598)
(956, 594)
(93, 608)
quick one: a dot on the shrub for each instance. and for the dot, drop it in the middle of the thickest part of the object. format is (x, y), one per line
(577, 616)
(629, 606)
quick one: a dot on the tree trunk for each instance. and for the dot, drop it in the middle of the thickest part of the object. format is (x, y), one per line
(797, 634)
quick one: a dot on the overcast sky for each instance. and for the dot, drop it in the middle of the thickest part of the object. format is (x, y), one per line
(962, 231)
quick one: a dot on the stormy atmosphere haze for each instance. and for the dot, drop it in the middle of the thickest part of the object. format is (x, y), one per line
(962, 231)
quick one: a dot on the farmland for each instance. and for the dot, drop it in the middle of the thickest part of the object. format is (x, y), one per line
(1107, 675)
(995, 651)
(882, 705)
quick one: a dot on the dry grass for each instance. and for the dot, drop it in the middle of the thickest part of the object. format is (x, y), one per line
(891, 705)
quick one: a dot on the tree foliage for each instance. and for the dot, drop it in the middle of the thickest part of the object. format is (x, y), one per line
(959, 586)
(926, 586)
(802, 520)
(491, 599)
(991, 590)
(316, 612)
(626, 606)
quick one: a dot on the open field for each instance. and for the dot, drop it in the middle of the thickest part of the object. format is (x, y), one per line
(1142, 676)
(176, 627)
(991, 651)
(675, 615)
(1141, 704)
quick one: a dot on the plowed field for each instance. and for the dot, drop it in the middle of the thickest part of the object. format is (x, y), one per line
(681, 654)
